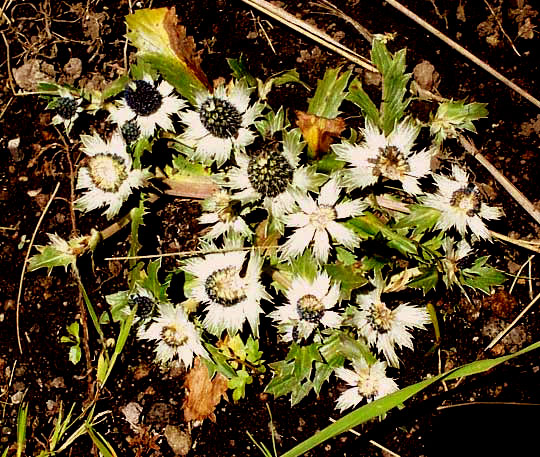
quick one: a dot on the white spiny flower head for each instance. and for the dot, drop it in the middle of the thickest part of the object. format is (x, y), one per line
(107, 174)
(389, 156)
(220, 122)
(460, 204)
(230, 291)
(273, 175)
(316, 221)
(368, 382)
(67, 109)
(310, 304)
(454, 257)
(386, 328)
(144, 106)
(222, 212)
(176, 337)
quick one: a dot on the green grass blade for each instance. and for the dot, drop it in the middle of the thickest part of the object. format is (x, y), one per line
(101, 443)
(385, 404)
(89, 305)
(21, 428)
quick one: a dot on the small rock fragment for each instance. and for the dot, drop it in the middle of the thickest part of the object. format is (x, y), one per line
(132, 413)
(178, 440)
(13, 147)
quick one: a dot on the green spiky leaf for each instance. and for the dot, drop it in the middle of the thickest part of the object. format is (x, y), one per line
(426, 281)
(240, 70)
(421, 219)
(350, 277)
(481, 276)
(454, 116)
(360, 98)
(284, 77)
(329, 94)
(395, 80)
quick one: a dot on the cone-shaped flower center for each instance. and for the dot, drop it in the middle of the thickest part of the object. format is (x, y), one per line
(174, 335)
(368, 385)
(270, 173)
(131, 131)
(220, 117)
(322, 217)
(145, 305)
(107, 172)
(381, 317)
(310, 308)
(467, 199)
(227, 209)
(226, 286)
(66, 107)
(145, 99)
(390, 163)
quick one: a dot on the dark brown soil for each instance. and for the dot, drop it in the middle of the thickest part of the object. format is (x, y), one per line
(55, 32)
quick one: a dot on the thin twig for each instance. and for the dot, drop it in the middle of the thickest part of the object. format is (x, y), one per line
(510, 326)
(374, 443)
(510, 188)
(530, 278)
(484, 403)
(6, 107)
(74, 230)
(325, 4)
(530, 245)
(310, 31)
(187, 253)
(463, 51)
(84, 324)
(518, 274)
(19, 293)
(501, 27)
(8, 61)
(3, 15)
(266, 36)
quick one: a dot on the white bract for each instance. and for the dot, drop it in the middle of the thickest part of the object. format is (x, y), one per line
(315, 221)
(368, 382)
(309, 306)
(460, 204)
(389, 156)
(386, 328)
(107, 175)
(222, 213)
(454, 255)
(145, 105)
(273, 175)
(220, 122)
(176, 337)
(230, 295)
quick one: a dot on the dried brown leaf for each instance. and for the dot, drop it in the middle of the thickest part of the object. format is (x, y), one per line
(203, 394)
(266, 241)
(319, 132)
(184, 46)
